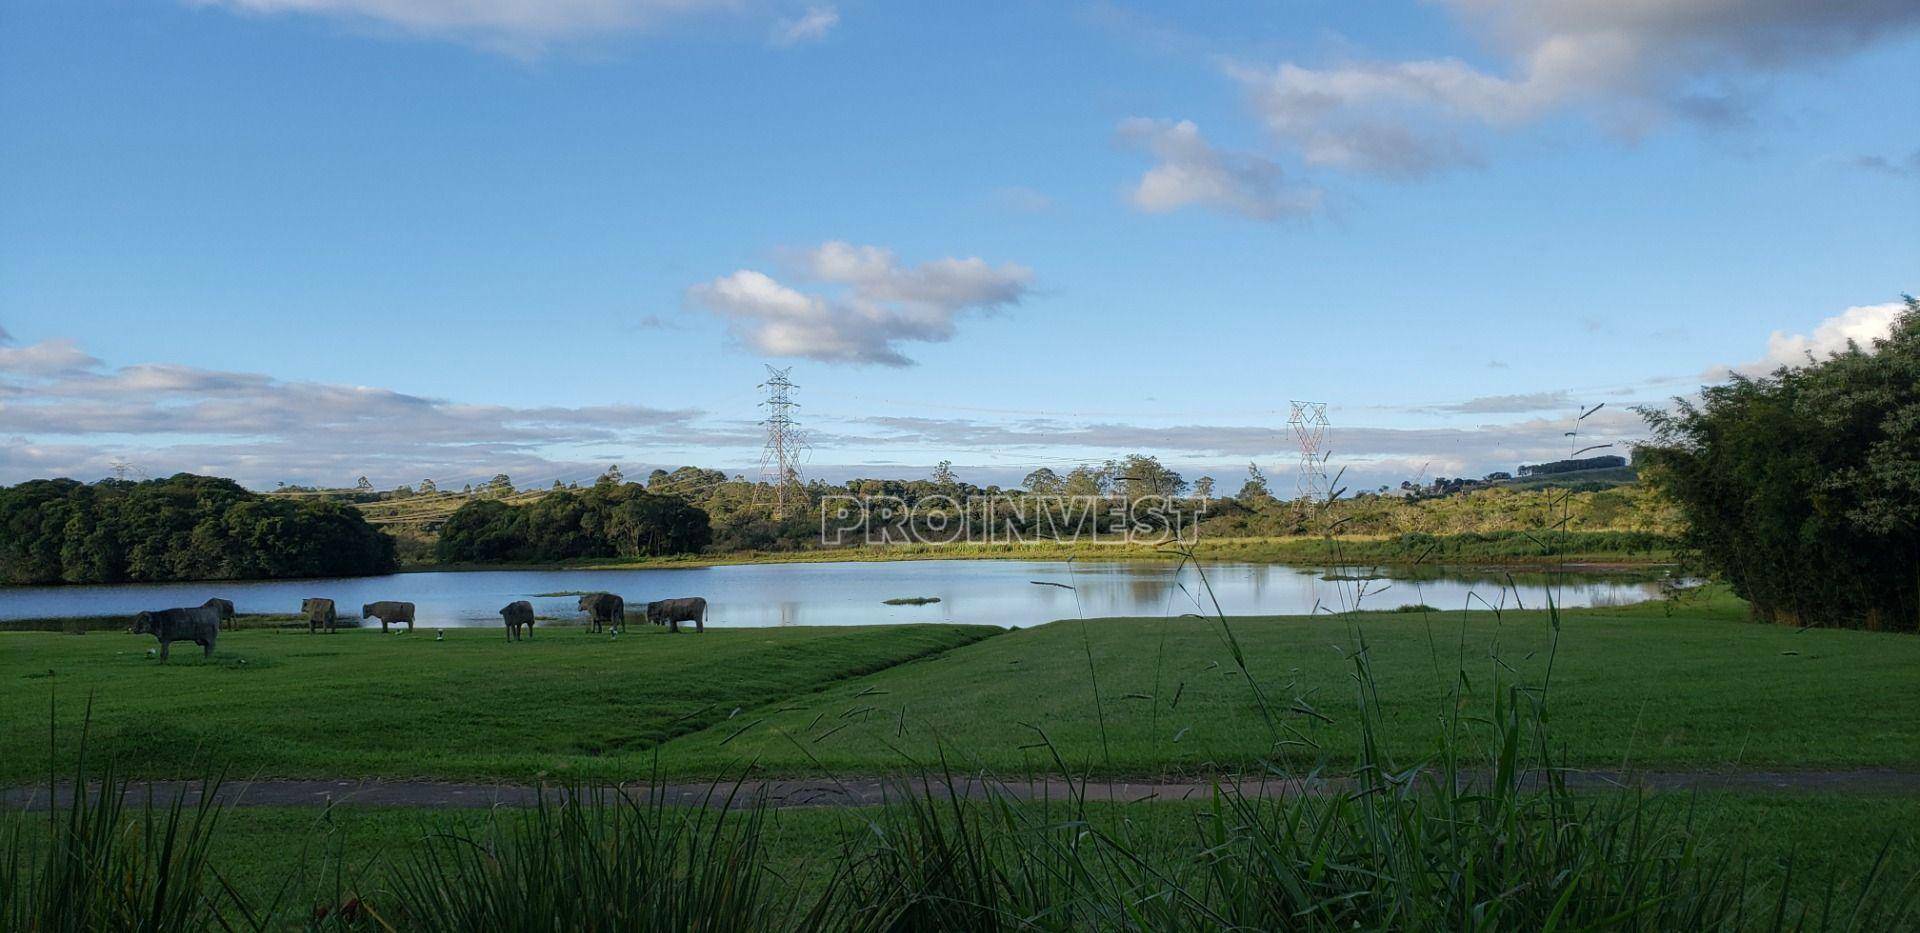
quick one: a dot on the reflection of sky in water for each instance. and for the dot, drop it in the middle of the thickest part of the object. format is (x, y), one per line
(997, 592)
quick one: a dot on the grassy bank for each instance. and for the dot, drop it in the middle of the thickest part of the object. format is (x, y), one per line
(286, 703)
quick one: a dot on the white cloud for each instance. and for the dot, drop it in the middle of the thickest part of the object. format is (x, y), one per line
(48, 357)
(811, 26)
(1862, 325)
(1631, 63)
(874, 303)
(1191, 172)
(519, 26)
(65, 412)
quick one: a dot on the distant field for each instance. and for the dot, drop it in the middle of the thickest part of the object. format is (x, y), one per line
(286, 703)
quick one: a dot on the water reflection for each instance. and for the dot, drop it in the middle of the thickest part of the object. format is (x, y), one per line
(998, 592)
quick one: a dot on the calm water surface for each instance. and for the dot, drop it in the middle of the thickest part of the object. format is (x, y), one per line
(995, 592)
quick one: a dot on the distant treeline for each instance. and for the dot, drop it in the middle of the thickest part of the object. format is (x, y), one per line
(608, 519)
(184, 527)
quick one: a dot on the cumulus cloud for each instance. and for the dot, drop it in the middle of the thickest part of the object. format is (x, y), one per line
(811, 26)
(519, 26)
(1191, 172)
(1631, 64)
(1861, 325)
(66, 413)
(871, 303)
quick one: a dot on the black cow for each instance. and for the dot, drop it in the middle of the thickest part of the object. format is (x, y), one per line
(672, 612)
(605, 608)
(515, 614)
(200, 625)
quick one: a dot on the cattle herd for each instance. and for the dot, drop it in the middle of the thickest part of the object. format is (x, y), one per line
(201, 624)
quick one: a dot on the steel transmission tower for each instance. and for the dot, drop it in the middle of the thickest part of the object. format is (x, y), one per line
(780, 461)
(1310, 428)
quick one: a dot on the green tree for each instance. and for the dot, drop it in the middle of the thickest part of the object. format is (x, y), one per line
(1802, 488)
(1044, 482)
(1254, 490)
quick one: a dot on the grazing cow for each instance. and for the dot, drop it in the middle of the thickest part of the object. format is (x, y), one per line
(515, 614)
(226, 610)
(672, 612)
(605, 608)
(389, 612)
(200, 625)
(319, 612)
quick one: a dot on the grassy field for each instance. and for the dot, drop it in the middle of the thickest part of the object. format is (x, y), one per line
(1695, 689)
(358, 702)
(1682, 687)
(303, 856)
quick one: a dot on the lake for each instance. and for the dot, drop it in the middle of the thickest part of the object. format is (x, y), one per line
(994, 592)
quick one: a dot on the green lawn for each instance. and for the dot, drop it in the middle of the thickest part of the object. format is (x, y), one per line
(1696, 689)
(285, 703)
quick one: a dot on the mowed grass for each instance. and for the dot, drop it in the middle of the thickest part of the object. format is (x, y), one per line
(1651, 686)
(360, 703)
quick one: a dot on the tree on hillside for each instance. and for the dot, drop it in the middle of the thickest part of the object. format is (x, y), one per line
(1086, 480)
(1255, 489)
(427, 488)
(1203, 487)
(363, 484)
(1138, 475)
(1802, 488)
(1044, 482)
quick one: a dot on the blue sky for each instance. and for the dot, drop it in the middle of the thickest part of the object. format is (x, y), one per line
(306, 240)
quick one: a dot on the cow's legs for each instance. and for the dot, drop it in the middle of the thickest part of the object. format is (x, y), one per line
(208, 648)
(163, 649)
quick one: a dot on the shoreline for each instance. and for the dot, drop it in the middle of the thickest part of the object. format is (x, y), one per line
(1225, 551)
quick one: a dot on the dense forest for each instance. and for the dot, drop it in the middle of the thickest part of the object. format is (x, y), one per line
(185, 527)
(609, 519)
(1802, 488)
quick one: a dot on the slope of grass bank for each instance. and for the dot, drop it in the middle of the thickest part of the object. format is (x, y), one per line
(1682, 687)
(285, 703)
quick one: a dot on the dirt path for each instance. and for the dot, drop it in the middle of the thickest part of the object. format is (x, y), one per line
(866, 791)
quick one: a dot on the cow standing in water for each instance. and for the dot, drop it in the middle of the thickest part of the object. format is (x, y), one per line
(672, 612)
(389, 612)
(515, 614)
(200, 625)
